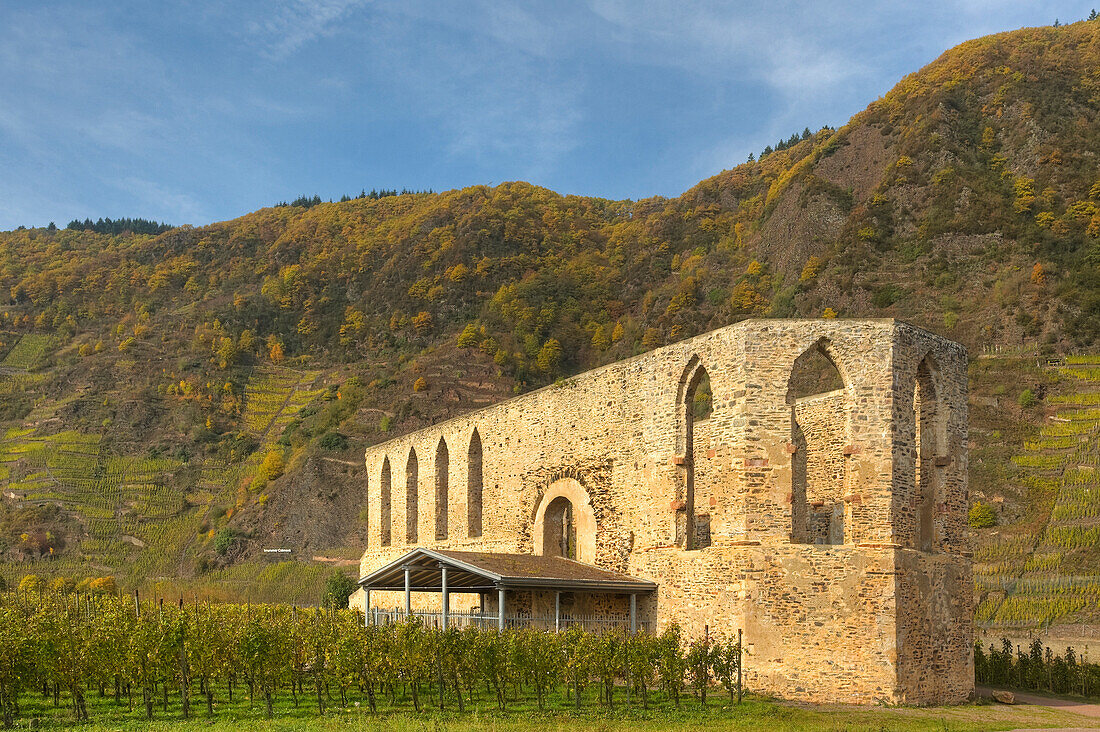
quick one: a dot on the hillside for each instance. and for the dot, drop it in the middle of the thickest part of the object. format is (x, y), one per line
(175, 402)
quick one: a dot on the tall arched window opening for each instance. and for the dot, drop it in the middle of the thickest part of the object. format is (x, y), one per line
(929, 445)
(385, 536)
(692, 528)
(412, 499)
(473, 487)
(820, 408)
(442, 477)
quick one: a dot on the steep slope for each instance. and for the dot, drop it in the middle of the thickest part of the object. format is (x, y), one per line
(174, 403)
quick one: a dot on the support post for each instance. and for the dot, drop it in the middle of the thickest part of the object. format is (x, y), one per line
(633, 613)
(446, 598)
(500, 608)
(557, 612)
(366, 606)
(408, 592)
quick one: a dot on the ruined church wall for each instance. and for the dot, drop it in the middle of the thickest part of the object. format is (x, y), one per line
(824, 621)
(935, 588)
(818, 623)
(935, 633)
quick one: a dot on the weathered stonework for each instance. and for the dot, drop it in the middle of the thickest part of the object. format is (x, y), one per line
(829, 527)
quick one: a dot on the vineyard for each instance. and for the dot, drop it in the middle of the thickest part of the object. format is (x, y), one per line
(273, 397)
(1037, 668)
(1044, 570)
(127, 503)
(154, 659)
(151, 516)
(28, 351)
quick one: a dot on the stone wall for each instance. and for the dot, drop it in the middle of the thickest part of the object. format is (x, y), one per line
(837, 600)
(820, 468)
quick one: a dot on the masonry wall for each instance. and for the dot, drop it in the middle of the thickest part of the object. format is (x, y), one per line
(824, 621)
(820, 468)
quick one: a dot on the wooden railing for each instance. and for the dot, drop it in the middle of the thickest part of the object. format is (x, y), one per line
(461, 619)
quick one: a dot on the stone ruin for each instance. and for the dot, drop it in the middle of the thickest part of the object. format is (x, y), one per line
(802, 480)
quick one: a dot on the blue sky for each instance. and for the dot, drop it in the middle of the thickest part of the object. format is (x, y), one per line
(195, 111)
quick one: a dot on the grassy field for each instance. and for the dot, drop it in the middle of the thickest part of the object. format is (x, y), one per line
(720, 714)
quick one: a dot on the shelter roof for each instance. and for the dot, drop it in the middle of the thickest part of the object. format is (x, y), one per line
(483, 571)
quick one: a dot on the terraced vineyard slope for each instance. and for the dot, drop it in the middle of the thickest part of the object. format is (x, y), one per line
(1044, 569)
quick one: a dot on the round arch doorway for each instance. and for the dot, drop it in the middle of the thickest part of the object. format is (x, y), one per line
(565, 524)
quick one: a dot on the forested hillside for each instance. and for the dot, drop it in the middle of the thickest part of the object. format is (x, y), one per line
(174, 402)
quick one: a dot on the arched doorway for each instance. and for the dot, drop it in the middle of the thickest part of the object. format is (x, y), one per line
(565, 523)
(559, 537)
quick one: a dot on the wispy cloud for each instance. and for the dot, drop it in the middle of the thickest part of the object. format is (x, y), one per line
(487, 76)
(203, 108)
(289, 25)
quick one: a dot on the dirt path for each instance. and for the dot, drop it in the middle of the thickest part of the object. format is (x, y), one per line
(1077, 706)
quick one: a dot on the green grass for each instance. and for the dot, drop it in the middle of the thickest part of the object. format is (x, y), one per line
(720, 714)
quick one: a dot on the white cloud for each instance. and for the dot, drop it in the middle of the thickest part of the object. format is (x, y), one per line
(291, 24)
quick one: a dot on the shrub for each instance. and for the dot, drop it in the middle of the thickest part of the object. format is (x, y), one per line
(333, 441)
(982, 516)
(338, 587)
(271, 468)
(62, 585)
(30, 583)
(1026, 398)
(549, 356)
(103, 586)
(423, 323)
(223, 541)
(469, 337)
(420, 384)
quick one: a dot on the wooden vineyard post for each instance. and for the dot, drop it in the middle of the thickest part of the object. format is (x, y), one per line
(740, 655)
(626, 654)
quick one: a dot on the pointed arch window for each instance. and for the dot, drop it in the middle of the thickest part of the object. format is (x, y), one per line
(820, 407)
(696, 406)
(412, 498)
(474, 486)
(384, 505)
(442, 478)
(929, 443)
